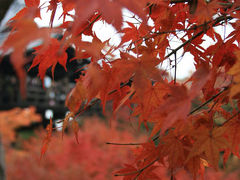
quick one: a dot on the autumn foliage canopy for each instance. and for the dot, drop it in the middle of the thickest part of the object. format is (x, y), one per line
(182, 134)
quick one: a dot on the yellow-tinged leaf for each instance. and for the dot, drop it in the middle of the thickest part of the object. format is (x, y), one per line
(209, 143)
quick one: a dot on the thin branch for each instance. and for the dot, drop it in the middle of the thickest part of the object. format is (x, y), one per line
(194, 27)
(233, 116)
(175, 67)
(225, 4)
(208, 101)
(205, 28)
(179, 1)
(97, 100)
(183, 44)
(213, 106)
(138, 172)
(89, 25)
(124, 144)
(200, 106)
(123, 85)
(131, 144)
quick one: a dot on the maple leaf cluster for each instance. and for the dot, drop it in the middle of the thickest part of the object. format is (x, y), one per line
(181, 136)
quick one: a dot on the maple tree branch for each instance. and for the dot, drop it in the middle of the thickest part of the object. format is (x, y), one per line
(228, 4)
(183, 44)
(97, 100)
(204, 25)
(213, 106)
(89, 25)
(233, 116)
(131, 144)
(193, 111)
(208, 101)
(175, 67)
(178, 1)
(216, 21)
(194, 27)
(123, 85)
(124, 144)
(138, 171)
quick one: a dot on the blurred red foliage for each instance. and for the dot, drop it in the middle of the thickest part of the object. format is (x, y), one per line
(91, 159)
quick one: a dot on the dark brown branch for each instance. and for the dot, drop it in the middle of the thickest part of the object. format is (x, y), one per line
(124, 144)
(233, 116)
(225, 4)
(200, 106)
(131, 144)
(178, 1)
(183, 44)
(138, 171)
(213, 106)
(89, 25)
(208, 101)
(205, 26)
(97, 100)
(216, 21)
(175, 68)
(123, 85)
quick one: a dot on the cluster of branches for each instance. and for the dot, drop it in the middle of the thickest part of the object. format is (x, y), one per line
(181, 136)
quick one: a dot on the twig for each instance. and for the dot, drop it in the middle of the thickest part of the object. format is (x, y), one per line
(89, 24)
(227, 4)
(205, 25)
(97, 100)
(208, 101)
(175, 67)
(124, 144)
(230, 118)
(183, 44)
(213, 106)
(138, 172)
(131, 144)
